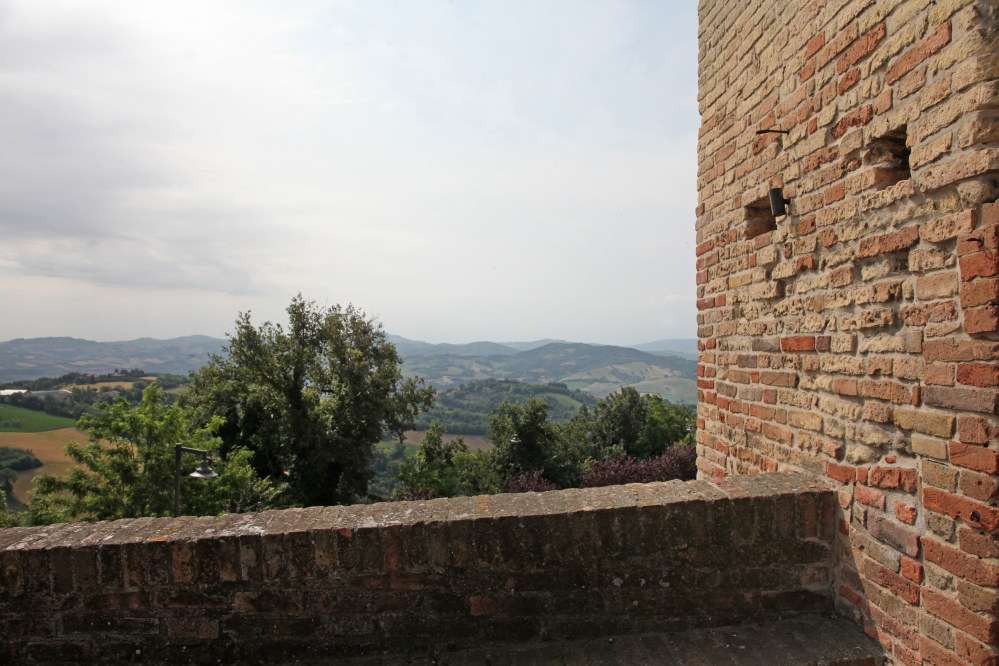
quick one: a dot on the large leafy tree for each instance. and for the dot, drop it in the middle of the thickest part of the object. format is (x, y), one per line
(127, 468)
(311, 400)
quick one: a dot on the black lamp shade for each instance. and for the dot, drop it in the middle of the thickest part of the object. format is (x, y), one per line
(777, 202)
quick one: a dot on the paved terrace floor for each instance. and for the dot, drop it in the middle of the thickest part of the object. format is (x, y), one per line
(802, 641)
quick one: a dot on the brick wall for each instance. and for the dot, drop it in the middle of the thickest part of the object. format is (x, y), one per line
(856, 338)
(340, 580)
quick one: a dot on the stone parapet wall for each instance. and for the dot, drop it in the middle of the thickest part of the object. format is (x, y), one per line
(337, 581)
(857, 338)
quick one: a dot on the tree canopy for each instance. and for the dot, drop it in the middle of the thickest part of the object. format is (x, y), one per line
(311, 400)
(127, 468)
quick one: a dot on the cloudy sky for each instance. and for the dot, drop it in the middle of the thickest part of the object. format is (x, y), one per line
(466, 170)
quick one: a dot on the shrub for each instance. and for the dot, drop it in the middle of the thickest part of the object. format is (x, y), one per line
(415, 495)
(530, 483)
(674, 463)
(17, 424)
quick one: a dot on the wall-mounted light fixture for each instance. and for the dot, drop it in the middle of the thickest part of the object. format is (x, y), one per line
(778, 204)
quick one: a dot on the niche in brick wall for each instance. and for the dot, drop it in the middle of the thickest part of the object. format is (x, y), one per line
(889, 153)
(759, 219)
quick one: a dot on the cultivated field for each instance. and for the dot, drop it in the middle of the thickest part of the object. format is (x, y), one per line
(31, 421)
(474, 442)
(109, 385)
(47, 446)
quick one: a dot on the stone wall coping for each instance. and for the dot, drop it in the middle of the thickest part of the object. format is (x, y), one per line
(388, 514)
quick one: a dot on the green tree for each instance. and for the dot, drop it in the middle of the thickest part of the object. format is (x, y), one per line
(541, 445)
(6, 518)
(665, 425)
(619, 421)
(432, 468)
(312, 400)
(7, 478)
(127, 468)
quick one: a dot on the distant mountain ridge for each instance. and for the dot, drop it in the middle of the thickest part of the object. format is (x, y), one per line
(51, 357)
(665, 367)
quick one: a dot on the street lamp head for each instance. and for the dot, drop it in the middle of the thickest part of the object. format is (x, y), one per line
(203, 472)
(515, 440)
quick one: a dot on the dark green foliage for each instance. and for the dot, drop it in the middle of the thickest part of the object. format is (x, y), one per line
(385, 463)
(311, 401)
(127, 469)
(18, 460)
(641, 434)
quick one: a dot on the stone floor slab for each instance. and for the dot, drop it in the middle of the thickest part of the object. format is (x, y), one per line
(800, 641)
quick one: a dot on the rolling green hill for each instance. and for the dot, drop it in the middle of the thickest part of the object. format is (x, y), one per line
(464, 409)
(31, 420)
(595, 369)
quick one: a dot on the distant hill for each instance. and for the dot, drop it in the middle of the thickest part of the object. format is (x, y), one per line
(596, 369)
(666, 367)
(407, 347)
(52, 357)
(687, 347)
(464, 409)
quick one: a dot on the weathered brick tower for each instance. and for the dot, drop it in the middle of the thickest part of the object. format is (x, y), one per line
(857, 337)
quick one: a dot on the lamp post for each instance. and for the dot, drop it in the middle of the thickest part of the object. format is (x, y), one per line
(203, 472)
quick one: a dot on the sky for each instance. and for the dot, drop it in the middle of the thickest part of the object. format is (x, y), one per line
(466, 170)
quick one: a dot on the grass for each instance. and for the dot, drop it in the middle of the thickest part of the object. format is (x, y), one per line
(577, 384)
(31, 420)
(674, 389)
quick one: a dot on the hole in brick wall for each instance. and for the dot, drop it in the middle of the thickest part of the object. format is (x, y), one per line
(759, 219)
(890, 154)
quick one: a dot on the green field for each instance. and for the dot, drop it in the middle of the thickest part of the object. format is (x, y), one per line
(32, 421)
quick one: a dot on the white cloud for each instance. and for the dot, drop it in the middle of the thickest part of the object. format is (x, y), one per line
(465, 171)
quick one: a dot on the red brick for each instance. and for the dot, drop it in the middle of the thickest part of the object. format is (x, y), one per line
(984, 629)
(814, 44)
(968, 399)
(948, 349)
(982, 545)
(974, 457)
(981, 320)
(870, 497)
(976, 429)
(974, 652)
(798, 343)
(912, 58)
(886, 390)
(905, 513)
(977, 571)
(939, 374)
(894, 477)
(979, 292)
(886, 578)
(900, 240)
(978, 374)
(827, 237)
(843, 473)
(845, 386)
(977, 486)
(912, 569)
(954, 506)
(856, 118)
(861, 48)
(981, 264)
(848, 80)
(706, 246)
(937, 656)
